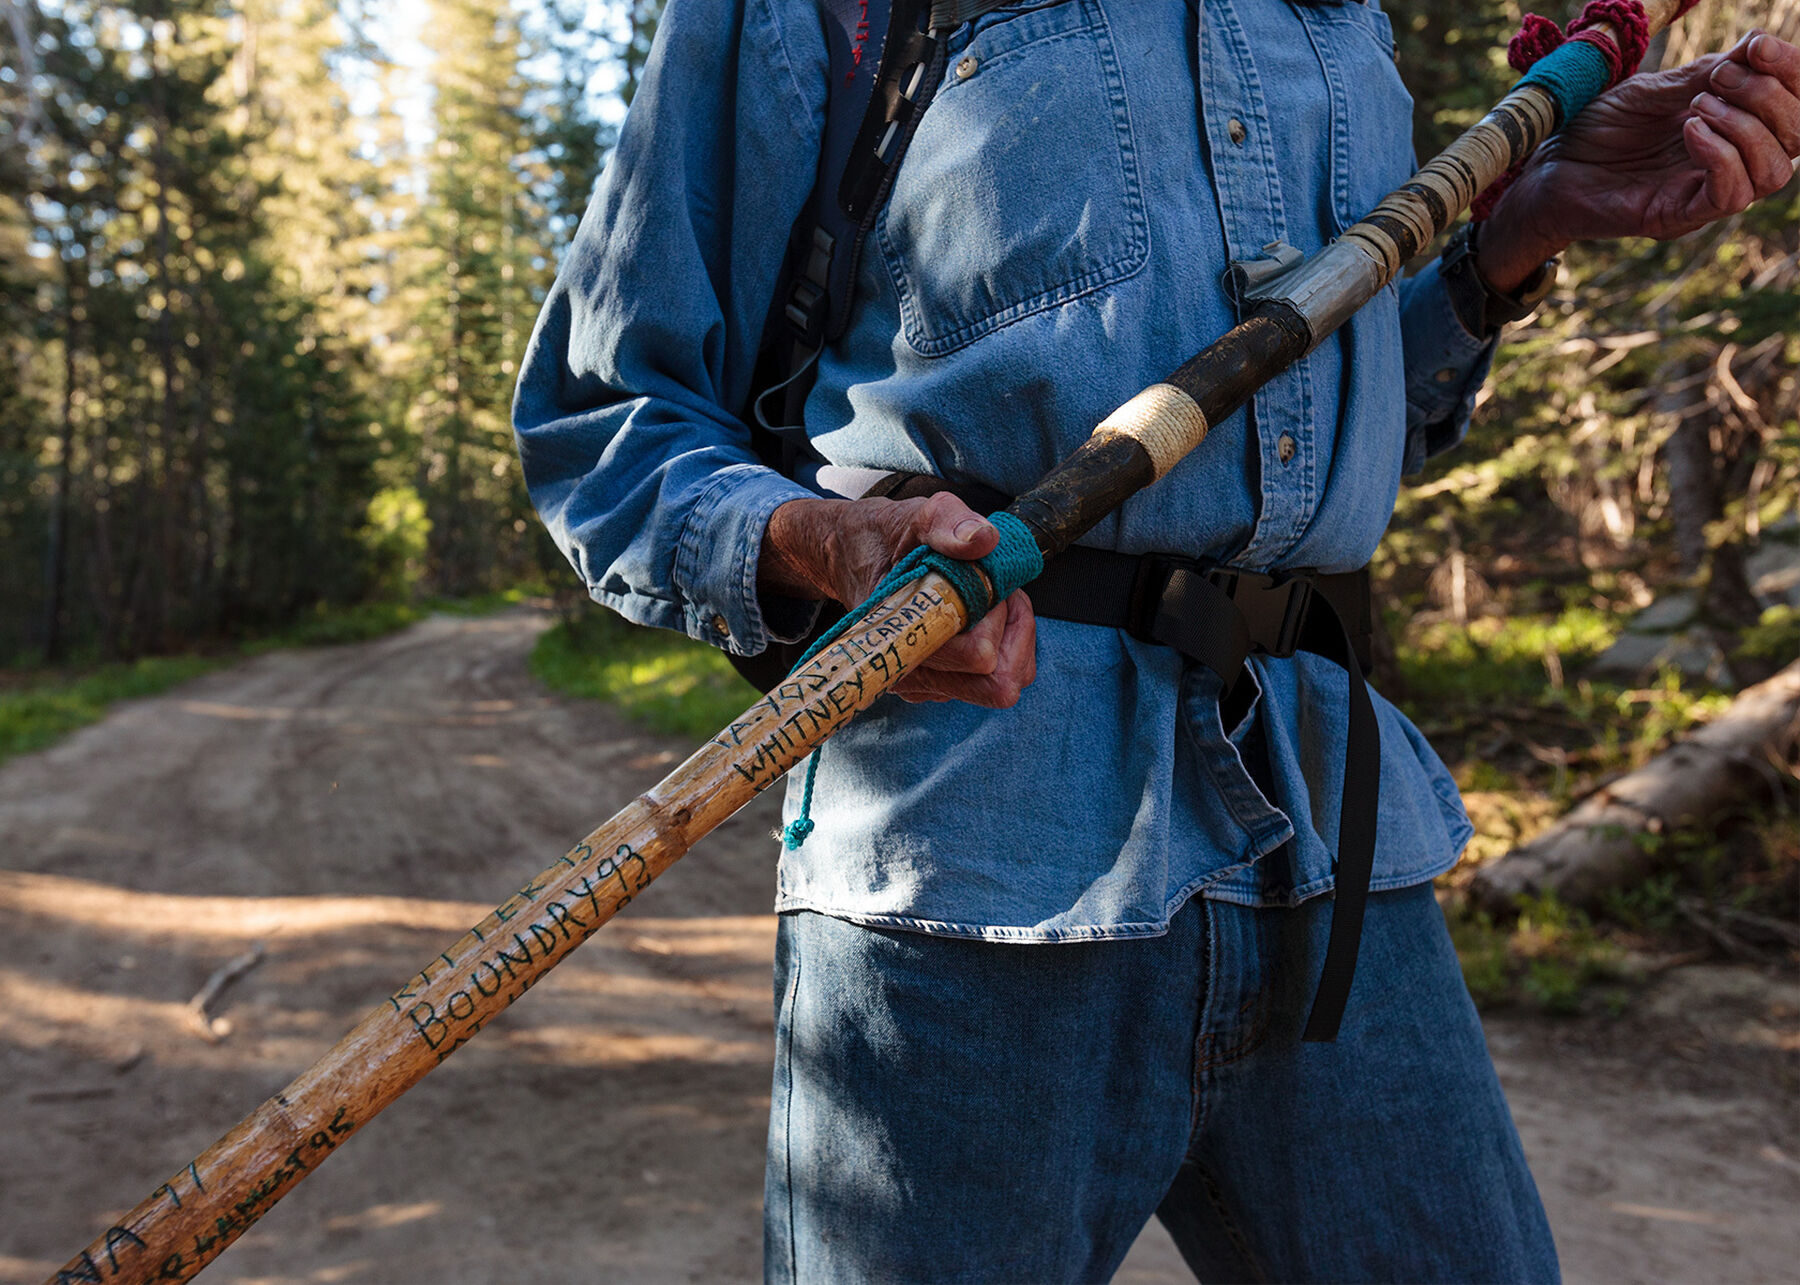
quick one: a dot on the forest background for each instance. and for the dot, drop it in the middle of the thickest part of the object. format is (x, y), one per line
(267, 270)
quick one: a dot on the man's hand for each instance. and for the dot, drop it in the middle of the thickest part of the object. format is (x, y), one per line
(840, 549)
(1659, 155)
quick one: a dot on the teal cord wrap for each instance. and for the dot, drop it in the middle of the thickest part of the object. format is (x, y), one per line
(1575, 74)
(1014, 563)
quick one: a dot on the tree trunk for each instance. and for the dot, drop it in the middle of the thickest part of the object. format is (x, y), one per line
(1693, 501)
(1698, 469)
(56, 557)
(151, 597)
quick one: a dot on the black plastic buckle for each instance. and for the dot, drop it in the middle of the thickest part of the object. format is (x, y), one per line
(805, 313)
(808, 305)
(1275, 610)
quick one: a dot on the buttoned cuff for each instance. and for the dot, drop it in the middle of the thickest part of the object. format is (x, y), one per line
(1445, 369)
(716, 560)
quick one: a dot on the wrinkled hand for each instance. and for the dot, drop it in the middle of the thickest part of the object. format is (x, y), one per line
(1657, 156)
(840, 549)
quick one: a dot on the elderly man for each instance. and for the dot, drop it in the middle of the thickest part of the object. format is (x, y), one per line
(1041, 976)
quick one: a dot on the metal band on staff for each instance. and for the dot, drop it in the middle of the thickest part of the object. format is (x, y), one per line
(190, 1219)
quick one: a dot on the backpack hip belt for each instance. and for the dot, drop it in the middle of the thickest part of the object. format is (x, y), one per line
(1216, 616)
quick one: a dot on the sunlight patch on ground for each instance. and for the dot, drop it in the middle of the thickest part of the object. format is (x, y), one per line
(38, 1012)
(82, 903)
(1655, 1213)
(380, 1217)
(590, 1045)
(360, 1269)
(457, 714)
(86, 904)
(481, 760)
(247, 713)
(14, 1268)
(611, 1010)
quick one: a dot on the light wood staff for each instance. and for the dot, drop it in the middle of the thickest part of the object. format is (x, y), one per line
(189, 1219)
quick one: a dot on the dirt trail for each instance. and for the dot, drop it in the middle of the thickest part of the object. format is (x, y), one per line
(355, 808)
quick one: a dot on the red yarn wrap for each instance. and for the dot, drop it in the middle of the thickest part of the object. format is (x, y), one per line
(1538, 36)
(1627, 16)
(1483, 205)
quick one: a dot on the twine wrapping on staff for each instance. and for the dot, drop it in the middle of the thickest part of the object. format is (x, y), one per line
(1015, 562)
(1575, 66)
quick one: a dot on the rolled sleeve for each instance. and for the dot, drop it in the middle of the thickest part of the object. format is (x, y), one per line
(1445, 368)
(715, 564)
(626, 413)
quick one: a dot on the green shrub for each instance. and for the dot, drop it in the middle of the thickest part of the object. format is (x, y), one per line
(395, 536)
(1774, 637)
(663, 679)
(40, 708)
(1550, 959)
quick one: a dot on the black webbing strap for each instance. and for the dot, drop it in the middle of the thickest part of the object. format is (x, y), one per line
(1326, 634)
(1129, 591)
(886, 59)
(1218, 616)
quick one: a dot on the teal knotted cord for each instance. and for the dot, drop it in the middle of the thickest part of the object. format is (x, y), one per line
(1603, 45)
(1574, 75)
(1014, 563)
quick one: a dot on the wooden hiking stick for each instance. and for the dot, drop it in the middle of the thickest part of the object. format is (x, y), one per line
(188, 1220)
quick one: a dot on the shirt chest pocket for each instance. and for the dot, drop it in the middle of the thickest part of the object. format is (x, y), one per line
(1371, 111)
(1020, 189)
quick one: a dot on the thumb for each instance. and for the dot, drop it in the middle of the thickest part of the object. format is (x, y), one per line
(952, 527)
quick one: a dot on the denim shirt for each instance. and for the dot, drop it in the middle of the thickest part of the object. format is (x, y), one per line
(1054, 242)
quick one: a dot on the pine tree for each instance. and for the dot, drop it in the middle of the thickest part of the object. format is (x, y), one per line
(569, 139)
(475, 269)
(195, 449)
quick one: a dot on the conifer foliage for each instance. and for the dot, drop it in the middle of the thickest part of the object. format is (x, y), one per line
(257, 332)
(266, 276)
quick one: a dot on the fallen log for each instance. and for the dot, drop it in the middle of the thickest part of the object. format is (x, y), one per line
(1608, 840)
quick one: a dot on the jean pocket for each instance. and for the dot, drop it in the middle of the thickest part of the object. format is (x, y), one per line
(1020, 190)
(1371, 110)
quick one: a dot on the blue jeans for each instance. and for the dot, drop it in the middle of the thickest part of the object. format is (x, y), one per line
(955, 1110)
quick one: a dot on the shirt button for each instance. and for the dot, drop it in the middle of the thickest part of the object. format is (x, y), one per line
(1447, 375)
(723, 629)
(1235, 128)
(1285, 448)
(966, 68)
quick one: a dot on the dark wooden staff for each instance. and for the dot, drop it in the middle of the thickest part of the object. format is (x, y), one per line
(205, 1205)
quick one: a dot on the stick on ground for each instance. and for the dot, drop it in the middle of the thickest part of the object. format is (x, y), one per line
(206, 1026)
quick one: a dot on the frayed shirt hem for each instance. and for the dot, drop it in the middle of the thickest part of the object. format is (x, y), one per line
(1039, 935)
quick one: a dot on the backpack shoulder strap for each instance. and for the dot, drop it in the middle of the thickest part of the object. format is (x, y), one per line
(886, 60)
(885, 63)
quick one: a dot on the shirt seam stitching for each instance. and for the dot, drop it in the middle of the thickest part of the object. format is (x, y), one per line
(801, 118)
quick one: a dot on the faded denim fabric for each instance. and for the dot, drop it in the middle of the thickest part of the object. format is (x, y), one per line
(1054, 242)
(952, 1111)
